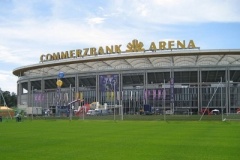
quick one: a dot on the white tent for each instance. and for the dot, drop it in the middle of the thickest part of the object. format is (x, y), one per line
(215, 111)
(6, 111)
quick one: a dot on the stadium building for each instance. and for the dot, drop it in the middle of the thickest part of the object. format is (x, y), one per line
(172, 75)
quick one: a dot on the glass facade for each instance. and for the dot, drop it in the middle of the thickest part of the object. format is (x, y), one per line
(190, 90)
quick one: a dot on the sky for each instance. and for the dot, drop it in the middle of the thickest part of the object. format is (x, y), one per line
(30, 28)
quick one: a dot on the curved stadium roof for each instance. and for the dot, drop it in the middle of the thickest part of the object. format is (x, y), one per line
(135, 60)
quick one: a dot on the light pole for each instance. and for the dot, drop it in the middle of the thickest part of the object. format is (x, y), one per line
(114, 98)
(221, 100)
(164, 97)
(71, 107)
(32, 101)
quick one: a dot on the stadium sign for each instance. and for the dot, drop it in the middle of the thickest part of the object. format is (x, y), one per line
(134, 46)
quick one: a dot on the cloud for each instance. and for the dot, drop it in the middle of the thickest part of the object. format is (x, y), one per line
(25, 38)
(8, 81)
(96, 20)
(180, 12)
(63, 23)
(15, 56)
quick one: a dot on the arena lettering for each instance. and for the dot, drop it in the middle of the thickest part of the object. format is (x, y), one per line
(81, 53)
(162, 45)
(134, 46)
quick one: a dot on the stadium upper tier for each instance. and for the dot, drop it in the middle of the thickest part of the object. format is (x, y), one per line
(132, 61)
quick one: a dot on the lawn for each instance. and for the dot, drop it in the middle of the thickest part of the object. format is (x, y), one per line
(107, 139)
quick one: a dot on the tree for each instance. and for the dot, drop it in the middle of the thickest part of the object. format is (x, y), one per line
(10, 98)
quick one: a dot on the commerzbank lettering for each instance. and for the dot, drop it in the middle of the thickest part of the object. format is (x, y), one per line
(134, 46)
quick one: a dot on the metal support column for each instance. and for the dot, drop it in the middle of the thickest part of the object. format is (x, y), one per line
(146, 87)
(19, 93)
(199, 89)
(30, 96)
(43, 102)
(97, 95)
(228, 103)
(172, 76)
(74, 91)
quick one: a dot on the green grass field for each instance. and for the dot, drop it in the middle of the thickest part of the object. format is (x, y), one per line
(129, 140)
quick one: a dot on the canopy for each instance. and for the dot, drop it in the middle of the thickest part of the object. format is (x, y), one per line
(6, 111)
(2, 108)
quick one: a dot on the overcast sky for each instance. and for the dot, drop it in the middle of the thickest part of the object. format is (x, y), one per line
(29, 28)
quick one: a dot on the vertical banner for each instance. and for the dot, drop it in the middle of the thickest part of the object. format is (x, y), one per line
(164, 93)
(42, 99)
(109, 83)
(80, 95)
(159, 93)
(118, 95)
(65, 97)
(136, 96)
(76, 95)
(154, 94)
(145, 94)
(112, 95)
(172, 90)
(108, 96)
(36, 98)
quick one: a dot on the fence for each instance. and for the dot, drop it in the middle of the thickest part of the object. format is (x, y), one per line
(116, 114)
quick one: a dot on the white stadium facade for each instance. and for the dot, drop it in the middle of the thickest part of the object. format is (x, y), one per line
(175, 75)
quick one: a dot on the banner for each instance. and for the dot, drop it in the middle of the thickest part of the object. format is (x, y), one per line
(78, 95)
(39, 97)
(172, 90)
(164, 93)
(118, 96)
(109, 83)
(159, 93)
(112, 95)
(136, 96)
(108, 95)
(149, 93)
(154, 94)
(145, 94)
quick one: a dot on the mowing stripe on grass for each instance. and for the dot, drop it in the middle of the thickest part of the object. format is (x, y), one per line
(64, 139)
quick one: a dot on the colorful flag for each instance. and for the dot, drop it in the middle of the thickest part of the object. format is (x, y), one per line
(154, 94)
(159, 93)
(172, 90)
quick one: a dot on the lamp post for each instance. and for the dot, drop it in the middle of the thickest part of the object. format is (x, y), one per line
(32, 101)
(114, 98)
(164, 97)
(221, 100)
(59, 84)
